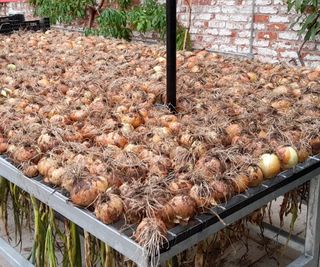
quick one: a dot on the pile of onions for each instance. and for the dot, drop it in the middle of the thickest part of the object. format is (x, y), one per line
(87, 128)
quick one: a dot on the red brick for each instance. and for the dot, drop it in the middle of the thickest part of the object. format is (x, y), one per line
(267, 35)
(277, 27)
(261, 18)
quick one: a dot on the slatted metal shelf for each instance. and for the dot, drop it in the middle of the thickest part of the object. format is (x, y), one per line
(180, 237)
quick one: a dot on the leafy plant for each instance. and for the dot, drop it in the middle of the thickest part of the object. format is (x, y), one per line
(61, 11)
(113, 22)
(149, 16)
(118, 22)
(309, 19)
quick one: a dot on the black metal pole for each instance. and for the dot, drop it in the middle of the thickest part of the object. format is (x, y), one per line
(171, 54)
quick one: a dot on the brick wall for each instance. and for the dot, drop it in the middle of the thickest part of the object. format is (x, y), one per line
(18, 6)
(259, 29)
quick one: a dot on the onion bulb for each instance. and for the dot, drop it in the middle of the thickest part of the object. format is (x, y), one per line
(150, 229)
(221, 191)
(56, 176)
(45, 164)
(85, 191)
(233, 130)
(78, 115)
(315, 145)
(22, 154)
(46, 142)
(288, 157)
(240, 183)
(202, 196)
(269, 165)
(186, 139)
(30, 171)
(303, 154)
(180, 186)
(3, 147)
(184, 208)
(109, 208)
(255, 176)
(165, 120)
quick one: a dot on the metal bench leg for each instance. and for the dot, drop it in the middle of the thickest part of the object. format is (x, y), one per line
(312, 241)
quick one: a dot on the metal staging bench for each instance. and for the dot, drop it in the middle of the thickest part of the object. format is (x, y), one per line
(182, 237)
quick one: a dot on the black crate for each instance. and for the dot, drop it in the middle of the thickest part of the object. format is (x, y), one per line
(8, 27)
(12, 18)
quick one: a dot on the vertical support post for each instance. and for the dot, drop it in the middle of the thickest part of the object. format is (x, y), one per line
(310, 257)
(312, 246)
(171, 54)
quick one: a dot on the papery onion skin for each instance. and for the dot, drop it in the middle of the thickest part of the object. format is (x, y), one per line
(240, 183)
(184, 207)
(85, 191)
(202, 196)
(147, 227)
(110, 209)
(288, 157)
(3, 147)
(255, 176)
(303, 154)
(180, 186)
(270, 165)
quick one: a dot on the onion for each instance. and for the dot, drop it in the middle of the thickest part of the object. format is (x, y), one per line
(45, 164)
(208, 166)
(150, 229)
(255, 176)
(199, 148)
(85, 191)
(240, 183)
(135, 119)
(56, 176)
(281, 105)
(109, 208)
(288, 157)
(22, 154)
(3, 147)
(184, 208)
(280, 90)
(11, 149)
(165, 120)
(186, 139)
(136, 149)
(233, 130)
(175, 127)
(269, 165)
(127, 129)
(46, 142)
(315, 145)
(303, 154)
(112, 138)
(78, 115)
(31, 171)
(202, 196)
(89, 131)
(221, 191)
(180, 186)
